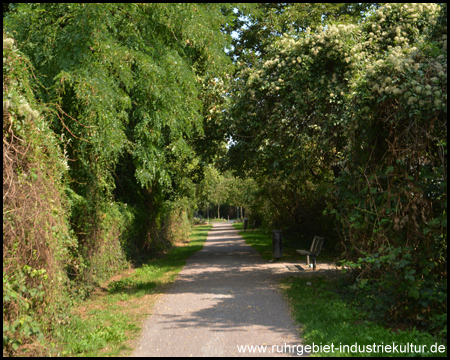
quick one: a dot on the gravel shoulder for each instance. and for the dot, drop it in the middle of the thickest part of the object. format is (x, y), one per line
(225, 296)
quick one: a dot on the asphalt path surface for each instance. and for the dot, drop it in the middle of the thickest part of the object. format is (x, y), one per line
(223, 298)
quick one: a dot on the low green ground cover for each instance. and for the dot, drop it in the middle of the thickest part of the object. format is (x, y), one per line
(106, 324)
(328, 317)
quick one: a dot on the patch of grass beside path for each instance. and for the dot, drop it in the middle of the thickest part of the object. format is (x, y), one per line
(256, 239)
(108, 322)
(325, 318)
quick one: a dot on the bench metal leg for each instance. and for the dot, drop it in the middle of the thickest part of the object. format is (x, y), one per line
(314, 263)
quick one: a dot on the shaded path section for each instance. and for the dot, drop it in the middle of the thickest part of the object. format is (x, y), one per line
(222, 298)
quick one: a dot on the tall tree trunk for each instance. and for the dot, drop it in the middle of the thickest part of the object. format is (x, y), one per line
(218, 211)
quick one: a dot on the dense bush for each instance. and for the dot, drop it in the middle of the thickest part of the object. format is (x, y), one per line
(359, 110)
(37, 242)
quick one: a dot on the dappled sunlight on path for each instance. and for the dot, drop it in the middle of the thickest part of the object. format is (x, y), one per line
(225, 296)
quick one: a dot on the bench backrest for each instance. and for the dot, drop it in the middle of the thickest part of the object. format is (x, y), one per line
(316, 245)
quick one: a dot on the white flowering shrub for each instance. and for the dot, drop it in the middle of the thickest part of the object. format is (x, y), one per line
(8, 43)
(368, 101)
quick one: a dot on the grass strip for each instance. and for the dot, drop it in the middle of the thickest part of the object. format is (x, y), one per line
(325, 318)
(108, 322)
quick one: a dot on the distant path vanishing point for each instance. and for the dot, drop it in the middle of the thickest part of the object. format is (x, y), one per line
(224, 297)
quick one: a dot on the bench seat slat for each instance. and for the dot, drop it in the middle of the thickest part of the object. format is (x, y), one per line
(316, 247)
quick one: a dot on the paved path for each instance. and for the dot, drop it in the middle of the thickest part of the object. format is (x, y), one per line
(222, 298)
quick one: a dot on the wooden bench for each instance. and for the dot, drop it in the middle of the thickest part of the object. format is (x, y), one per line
(316, 246)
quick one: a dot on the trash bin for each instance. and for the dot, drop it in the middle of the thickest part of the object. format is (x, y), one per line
(277, 244)
(245, 223)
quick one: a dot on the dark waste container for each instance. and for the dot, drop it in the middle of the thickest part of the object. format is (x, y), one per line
(245, 223)
(277, 244)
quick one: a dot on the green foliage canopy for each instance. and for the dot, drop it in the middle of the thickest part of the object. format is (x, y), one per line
(127, 78)
(258, 25)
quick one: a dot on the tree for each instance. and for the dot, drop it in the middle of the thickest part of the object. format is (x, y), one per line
(212, 190)
(242, 194)
(258, 25)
